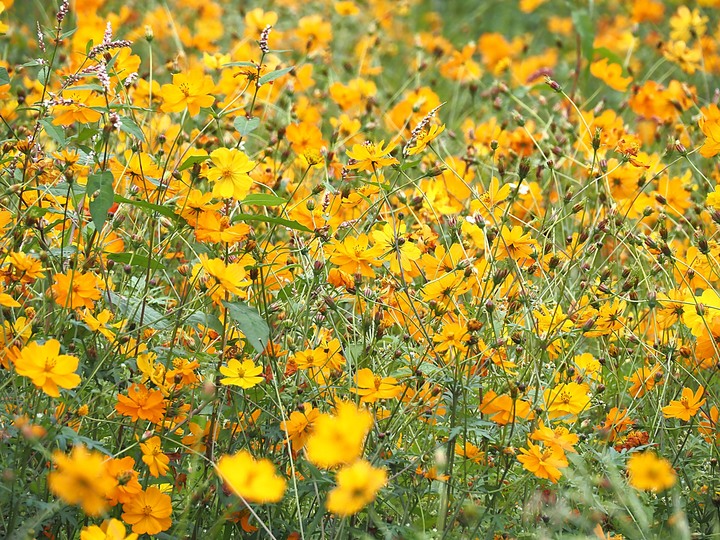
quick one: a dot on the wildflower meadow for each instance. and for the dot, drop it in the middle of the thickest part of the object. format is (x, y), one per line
(358, 269)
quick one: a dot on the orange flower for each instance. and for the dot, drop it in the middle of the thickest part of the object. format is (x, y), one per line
(141, 403)
(299, 426)
(709, 425)
(711, 129)
(148, 512)
(543, 462)
(74, 290)
(122, 471)
(687, 406)
(559, 436)
(504, 409)
(644, 379)
(47, 368)
(616, 422)
(154, 458)
(191, 91)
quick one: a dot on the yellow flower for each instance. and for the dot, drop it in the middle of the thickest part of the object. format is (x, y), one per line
(610, 74)
(370, 156)
(111, 529)
(47, 368)
(354, 255)
(191, 91)
(513, 243)
(543, 462)
(154, 458)
(566, 401)
(686, 25)
(78, 106)
(425, 137)
(229, 278)
(688, 58)
(229, 173)
(357, 487)
(300, 424)
(687, 406)
(339, 439)
(244, 374)
(82, 478)
(148, 512)
(711, 129)
(253, 480)
(371, 387)
(648, 472)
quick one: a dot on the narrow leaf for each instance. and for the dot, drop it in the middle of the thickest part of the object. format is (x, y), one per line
(133, 259)
(263, 199)
(163, 210)
(274, 75)
(271, 219)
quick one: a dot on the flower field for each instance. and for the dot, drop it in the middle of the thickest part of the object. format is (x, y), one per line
(406, 269)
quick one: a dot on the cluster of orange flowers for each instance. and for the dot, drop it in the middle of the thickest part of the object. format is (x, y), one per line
(243, 264)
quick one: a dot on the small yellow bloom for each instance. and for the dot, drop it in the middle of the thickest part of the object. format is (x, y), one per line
(244, 374)
(357, 487)
(253, 480)
(648, 472)
(47, 368)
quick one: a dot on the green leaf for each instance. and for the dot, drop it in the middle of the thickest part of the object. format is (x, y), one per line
(134, 259)
(247, 318)
(56, 133)
(192, 160)
(131, 308)
(271, 219)
(129, 126)
(584, 27)
(99, 191)
(239, 64)
(274, 75)
(246, 125)
(4, 77)
(163, 210)
(263, 199)
(208, 320)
